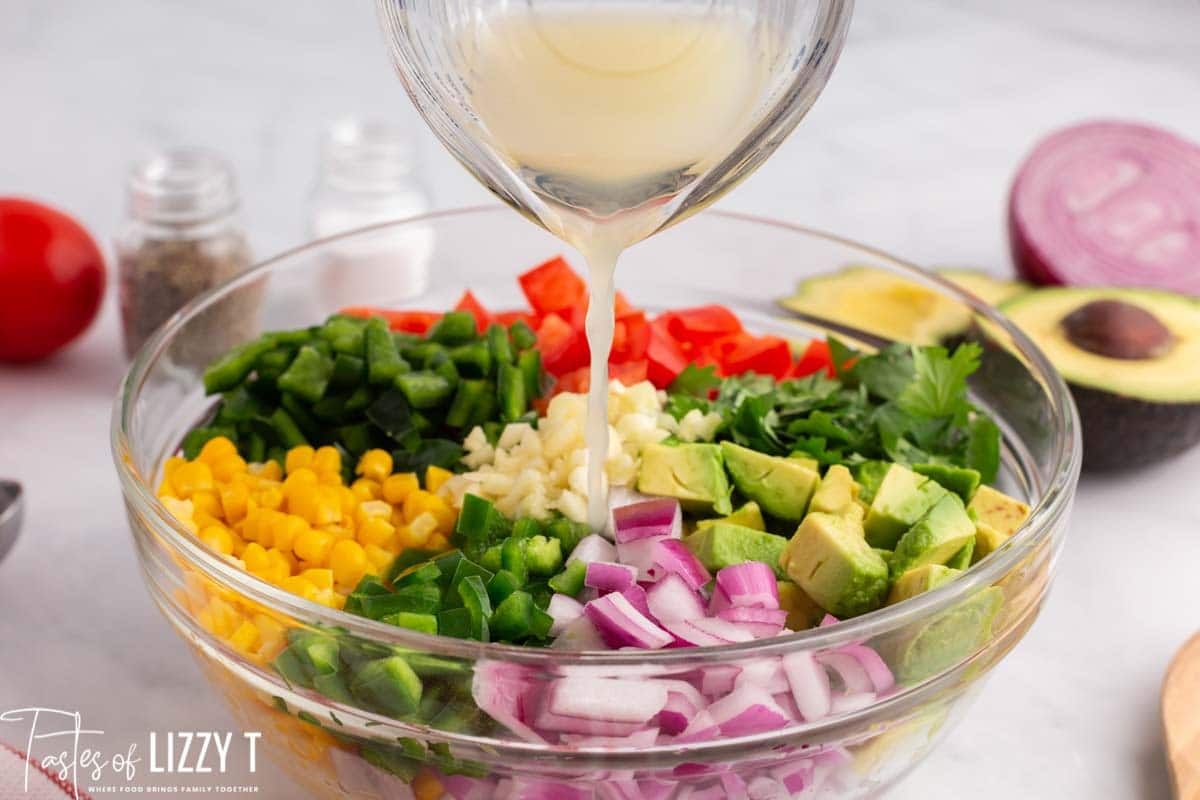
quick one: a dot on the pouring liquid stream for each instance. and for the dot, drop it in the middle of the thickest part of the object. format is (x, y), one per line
(607, 114)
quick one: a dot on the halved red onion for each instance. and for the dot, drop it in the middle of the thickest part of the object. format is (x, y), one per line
(502, 690)
(563, 609)
(849, 669)
(809, 683)
(672, 600)
(708, 632)
(593, 547)
(651, 519)
(747, 710)
(751, 583)
(579, 634)
(609, 576)
(761, 622)
(622, 625)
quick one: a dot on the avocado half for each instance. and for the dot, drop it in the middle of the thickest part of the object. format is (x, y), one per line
(1132, 360)
(891, 306)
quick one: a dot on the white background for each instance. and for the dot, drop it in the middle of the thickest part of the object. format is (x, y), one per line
(910, 149)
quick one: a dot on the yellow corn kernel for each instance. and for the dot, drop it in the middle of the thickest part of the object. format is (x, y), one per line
(184, 511)
(322, 578)
(327, 459)
(417, 532)
(192, 477)
(313, 545)
(348, 562)
(319, 506)
(234, 500)
(245, 638)
(270, 497)
(173, 463)
(239, 545)
(375, 464)
(268, 470)
(442, 511)
(399, 486)
(218, 538)
(375, 531)
(378, 558)
(207, 502)
(435, 476)
(229, 467)
(299, 586)
(203, 520)
(298, 458)
(438, 541)
(366, 489)
(426, 786)
(340, 530)
(270, 635)
(255, 557)
(372, 508)
(215, 449)
(287, 532)
(421, 502)
(332, 479)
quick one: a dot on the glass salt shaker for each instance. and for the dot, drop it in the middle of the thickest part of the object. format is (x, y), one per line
(182, 237)
(367, 176)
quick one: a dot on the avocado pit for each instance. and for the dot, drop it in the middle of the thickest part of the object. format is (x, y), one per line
(1116, 329)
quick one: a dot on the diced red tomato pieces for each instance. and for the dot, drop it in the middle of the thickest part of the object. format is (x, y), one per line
(702, 324)
(766, 355)
(468, 302)
(563, 347)
(507, 318)
(418, 322)
(631, 337)
(665, 358)
(579, 380)
(815, 358)
(553, 286)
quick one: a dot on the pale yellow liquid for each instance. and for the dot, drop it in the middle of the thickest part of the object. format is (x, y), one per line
(607, 113)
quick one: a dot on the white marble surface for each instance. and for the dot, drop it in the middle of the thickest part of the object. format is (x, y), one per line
(910, 149)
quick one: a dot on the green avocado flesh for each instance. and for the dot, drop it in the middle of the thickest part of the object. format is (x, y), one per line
(946, 639)
(748, 516)
(901, 499)
(920, 580)
(692, 473)
(781, 486)
(1173, 377)
(723, 544)
(831, 561)
(986, 287)
(936, 537)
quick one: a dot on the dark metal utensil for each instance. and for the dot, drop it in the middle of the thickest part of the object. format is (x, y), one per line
(12, 509)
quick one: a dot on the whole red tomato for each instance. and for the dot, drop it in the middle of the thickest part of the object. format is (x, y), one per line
(51, 279)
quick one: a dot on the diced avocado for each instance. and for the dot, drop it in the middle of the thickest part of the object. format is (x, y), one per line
(885, 554)
(963, 481)
(781, 486)
(748, 516)
(869, 475)
(946, 639)
(903, 498)
(723, 544)
(692, 473)
(832, 562)
(837, 494)
(802, 612)
(987, 540)
(998, 511)
(936, 538)
(962, 559)
(811, 463)
(921, 579)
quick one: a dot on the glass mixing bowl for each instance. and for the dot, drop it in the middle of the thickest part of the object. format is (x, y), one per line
(940, 645)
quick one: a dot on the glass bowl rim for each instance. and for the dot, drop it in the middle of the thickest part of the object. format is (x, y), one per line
(1052, 504)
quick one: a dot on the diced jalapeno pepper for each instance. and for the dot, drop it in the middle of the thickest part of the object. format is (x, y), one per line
(308, 375)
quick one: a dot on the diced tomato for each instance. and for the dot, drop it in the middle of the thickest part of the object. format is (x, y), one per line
(507, 318)
(701, 324)
(816, 357)
(629, 372)
(468, 302)
(631, 335)
(622, 306)
(553, 287)
(563, 348)
(579, 380)
(406, 321)
(766, 355)
(665, 359)
(576, 381)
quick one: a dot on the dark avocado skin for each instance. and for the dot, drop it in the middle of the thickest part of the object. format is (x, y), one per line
(1122, 432)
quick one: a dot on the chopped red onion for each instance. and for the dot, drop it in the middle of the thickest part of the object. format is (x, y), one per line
(849, 669)
(733, 784)
(845, 703)
(809, 683)
(795, 777)
(638, 554)
(765, 673)
(761, 622)
(767, 788)
(636, 596)
(501, 690)
(593, 547)
(702, 729)
(651, 519)
(747, 710)
(673, 556)
(751, 583)
(672, 600)
(677, 714)
(622, 625)
(563, 609)
(608, 576)
(579, 634)
(645, 737)
(708, 632)
(462, 787)
(719, 679)
(881, 677)
(827, 620)
(539, 789)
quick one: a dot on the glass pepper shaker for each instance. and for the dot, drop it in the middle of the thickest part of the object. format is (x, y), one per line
(182, 237)
(367, 175)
